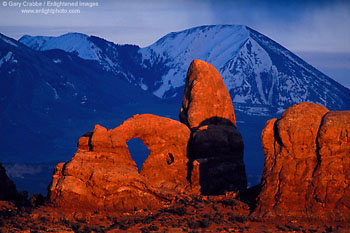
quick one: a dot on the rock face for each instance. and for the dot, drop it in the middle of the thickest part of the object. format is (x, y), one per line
(331, 179)
(216, 146)
(102, 174)
(307, 163)
(206, 100)
(7, 187)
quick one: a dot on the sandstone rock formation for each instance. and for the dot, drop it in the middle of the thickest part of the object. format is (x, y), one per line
(7, 187)
(306, 171)
(206, 100)
(103, 175)
(216, 146)
(202, 156)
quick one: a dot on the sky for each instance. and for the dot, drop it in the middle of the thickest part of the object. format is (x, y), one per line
(316, 30)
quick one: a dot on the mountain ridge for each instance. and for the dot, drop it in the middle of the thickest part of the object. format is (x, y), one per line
(257, 71)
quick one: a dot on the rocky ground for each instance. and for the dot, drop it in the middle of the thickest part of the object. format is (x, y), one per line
(200, 214)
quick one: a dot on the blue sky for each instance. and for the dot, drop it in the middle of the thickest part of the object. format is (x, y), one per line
(318, 31)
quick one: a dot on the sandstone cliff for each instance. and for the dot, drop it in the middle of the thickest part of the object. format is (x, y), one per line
(306, 172)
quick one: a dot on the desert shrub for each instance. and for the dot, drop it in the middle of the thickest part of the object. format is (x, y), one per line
(97, 229)
(2, 222)
(66, 222)
(153, 228)
(229, 202)
(148, 219)
(149, 229)
(124, 226)
(207, 201)
(37, 200)
(18, 226)
(204, 223)
(291, 227)
(281, 228)
(81, 220)
(176, 224)
(218, 218)
(42, 228)
(144, 230)
(240, 219)
(76, 227)
(181, 211)
(193, 224)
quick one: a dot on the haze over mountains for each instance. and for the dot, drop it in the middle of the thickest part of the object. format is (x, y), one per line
(54, 89)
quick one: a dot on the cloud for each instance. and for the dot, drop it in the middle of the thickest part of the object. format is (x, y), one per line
(335, 65)
(299, 25)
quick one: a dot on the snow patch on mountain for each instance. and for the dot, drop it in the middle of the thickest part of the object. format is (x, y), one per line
(8, 41)
(56, 96)
(71, 42)
(9, 57)
(143, 85)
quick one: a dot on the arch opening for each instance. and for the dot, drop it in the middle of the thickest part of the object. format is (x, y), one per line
(138, 151)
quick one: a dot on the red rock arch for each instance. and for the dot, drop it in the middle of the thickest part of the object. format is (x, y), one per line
(102, 173)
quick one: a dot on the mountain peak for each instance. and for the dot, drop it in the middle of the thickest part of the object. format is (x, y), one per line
(206, 30)
(257, 71)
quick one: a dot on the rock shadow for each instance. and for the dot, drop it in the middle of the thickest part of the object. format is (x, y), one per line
(215, 153)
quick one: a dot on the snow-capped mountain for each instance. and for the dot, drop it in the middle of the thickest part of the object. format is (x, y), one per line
(262, 76)
(107, 54)
(256, 70)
